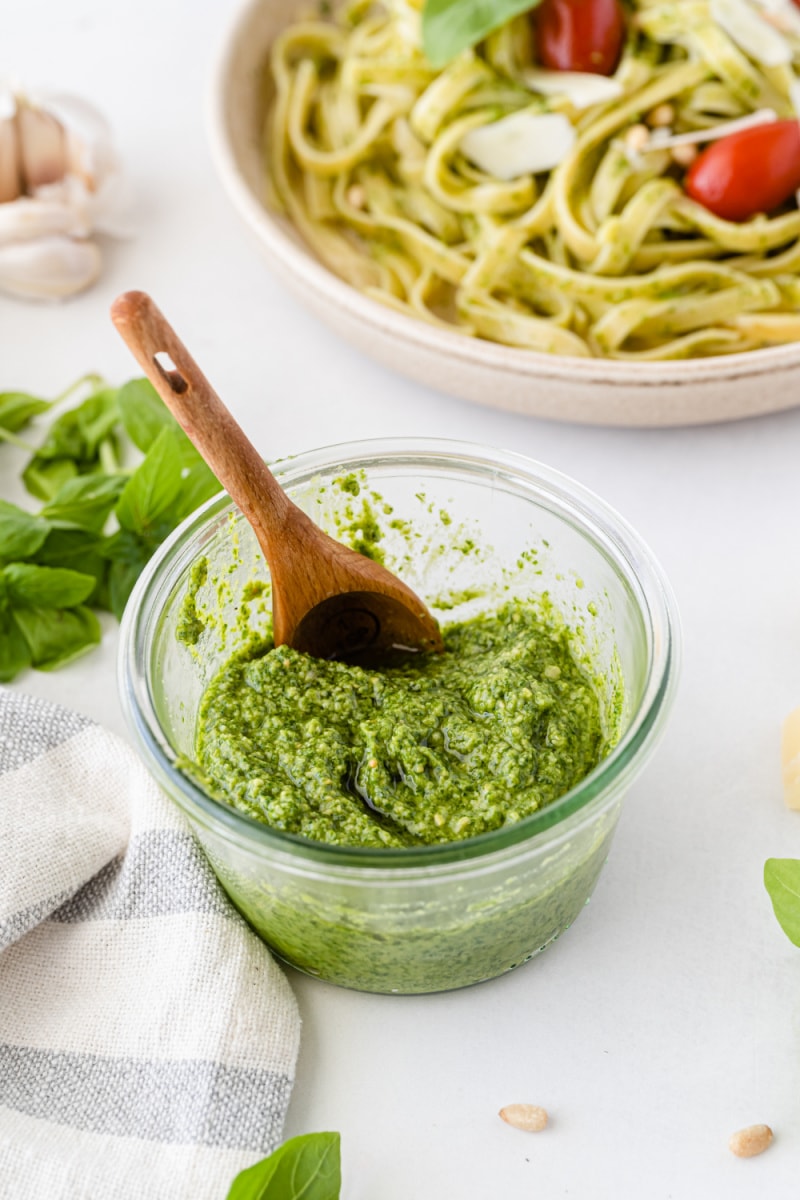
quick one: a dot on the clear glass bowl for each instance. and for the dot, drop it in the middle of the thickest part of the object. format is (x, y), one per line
(466, 527)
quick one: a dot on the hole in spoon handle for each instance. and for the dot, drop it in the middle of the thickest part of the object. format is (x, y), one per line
(170, 373)
(155, 345)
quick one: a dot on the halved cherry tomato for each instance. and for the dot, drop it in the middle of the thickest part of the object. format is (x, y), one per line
(579, 35)
(754, 171)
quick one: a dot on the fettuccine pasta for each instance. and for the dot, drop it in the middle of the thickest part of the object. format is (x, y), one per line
(604, 255)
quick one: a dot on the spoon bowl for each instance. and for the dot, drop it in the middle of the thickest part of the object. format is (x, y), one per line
(327, 600)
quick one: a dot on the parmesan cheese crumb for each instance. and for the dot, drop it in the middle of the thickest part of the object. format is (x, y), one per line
(747, 28)
(520, 144)
(659, 139)
(581, 88)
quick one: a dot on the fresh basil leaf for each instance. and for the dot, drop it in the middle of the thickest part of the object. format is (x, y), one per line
(303, 1168)
(782, 881)
(74, 444)
(128, 553)
(450, 26)
(21, 533)
(43, 478)
(78, 550)
(199, 485)
(127, 546)
(143, 412)
(85, 501)
(56, 635)
(154, 486)
(121, 582)
(60, 561)
(33, 586)
(77, 433)
(18, 408)
(15, 655)
(198, 481)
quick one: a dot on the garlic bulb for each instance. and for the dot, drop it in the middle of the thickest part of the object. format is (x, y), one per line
(60, 181)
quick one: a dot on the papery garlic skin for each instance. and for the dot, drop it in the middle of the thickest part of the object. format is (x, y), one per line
(48, 268)
(60, 181)
(32, 217)
(108, 209)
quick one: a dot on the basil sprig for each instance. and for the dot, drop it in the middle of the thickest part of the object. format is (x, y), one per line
(782, 881)
(101, 519)
(450, 26)
(303, 1168)
(17, 409)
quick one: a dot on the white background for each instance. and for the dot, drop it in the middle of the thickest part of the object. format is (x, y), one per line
(669, 1016)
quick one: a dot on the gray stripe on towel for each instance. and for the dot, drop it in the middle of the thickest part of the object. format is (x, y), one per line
(163, 871)
(18, 923)
(29, 727)
(186, 1102)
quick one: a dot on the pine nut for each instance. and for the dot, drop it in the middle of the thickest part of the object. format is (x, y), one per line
(529, 1117)
(356, 196)
(684, 155)
(753, 1140)
(661, 116)
(637, 137)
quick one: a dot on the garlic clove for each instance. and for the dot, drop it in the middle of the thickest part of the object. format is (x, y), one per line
(109, 210)
(90, 147)
(48, 268)
(93, 178)
(10, 169)
(43, 146)
(60, 179)
(10, 181)
(26, 218)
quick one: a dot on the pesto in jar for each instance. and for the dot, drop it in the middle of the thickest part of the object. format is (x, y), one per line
(443, 747)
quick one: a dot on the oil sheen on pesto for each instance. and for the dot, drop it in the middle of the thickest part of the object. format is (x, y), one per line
(442, 748)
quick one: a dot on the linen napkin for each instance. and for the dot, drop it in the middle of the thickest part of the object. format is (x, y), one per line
(147, 1038)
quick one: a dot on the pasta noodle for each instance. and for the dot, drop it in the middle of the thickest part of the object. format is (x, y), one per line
(604, 255)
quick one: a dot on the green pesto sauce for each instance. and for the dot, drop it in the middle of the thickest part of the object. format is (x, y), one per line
(429, 944)
(442, 748)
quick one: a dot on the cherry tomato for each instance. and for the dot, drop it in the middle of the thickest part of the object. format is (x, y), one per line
(579, 35)
(750, 172)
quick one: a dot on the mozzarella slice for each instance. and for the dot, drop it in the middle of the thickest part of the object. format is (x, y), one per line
(581, 88)
(520, 144)
(751, 32)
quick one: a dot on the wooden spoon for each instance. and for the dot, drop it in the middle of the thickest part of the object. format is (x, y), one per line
(327, 600)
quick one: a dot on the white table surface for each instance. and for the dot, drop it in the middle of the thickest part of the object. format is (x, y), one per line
(669, 1016)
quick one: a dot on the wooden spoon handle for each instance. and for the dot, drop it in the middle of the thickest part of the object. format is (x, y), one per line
(204, 418)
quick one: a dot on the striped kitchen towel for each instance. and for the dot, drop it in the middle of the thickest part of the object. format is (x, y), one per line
(147, 1038)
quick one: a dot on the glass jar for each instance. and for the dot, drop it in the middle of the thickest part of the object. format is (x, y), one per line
(466, 527)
